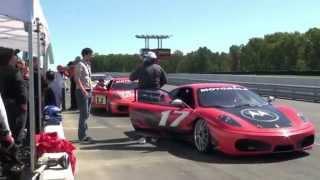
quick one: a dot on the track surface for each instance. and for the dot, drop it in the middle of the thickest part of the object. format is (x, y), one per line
(115, 156)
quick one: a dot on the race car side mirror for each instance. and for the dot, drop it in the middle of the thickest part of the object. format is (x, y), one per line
(271, 99)
(178, 103)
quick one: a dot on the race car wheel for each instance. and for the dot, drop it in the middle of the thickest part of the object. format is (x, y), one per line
(201, 136)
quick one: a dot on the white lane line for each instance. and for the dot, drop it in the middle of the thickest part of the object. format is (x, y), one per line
(317, 140)
(122, 126)
(136, 161)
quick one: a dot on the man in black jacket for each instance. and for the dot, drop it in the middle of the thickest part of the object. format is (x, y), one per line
(151, 78)
(150, 74)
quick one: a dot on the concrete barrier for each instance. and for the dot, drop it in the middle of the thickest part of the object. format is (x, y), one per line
(305, 88)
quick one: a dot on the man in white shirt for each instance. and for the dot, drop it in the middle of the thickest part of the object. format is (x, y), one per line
(83, 92)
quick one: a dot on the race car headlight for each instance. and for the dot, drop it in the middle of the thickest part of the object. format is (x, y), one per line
(302, 117)
(228, 120)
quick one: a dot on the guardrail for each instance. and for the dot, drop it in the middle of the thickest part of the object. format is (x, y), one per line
(305, 93)
(296, 89)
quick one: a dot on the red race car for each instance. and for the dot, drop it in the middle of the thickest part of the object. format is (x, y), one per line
(226, 117)
(114, 95)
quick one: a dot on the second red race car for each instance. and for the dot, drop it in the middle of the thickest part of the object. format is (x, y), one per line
(114, 95)
(226, 117)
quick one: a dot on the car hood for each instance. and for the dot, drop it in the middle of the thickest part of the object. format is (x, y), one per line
(262, 117)
(125, 94)
(99, 88)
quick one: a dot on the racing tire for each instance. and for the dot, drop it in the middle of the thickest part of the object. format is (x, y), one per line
(202, 137)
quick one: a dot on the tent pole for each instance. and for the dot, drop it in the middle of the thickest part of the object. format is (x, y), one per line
(45, 58)
(39, 75)
(31, 100)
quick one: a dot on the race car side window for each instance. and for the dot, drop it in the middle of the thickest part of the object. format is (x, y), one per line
(160, 97)
(186, 95)
(173, 94)
(109, 84)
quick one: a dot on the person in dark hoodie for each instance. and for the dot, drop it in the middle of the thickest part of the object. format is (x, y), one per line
(8, 148)
(5, 132)
(14, 93)
(50, 97)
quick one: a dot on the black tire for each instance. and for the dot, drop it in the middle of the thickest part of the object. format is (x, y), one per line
(201, 136)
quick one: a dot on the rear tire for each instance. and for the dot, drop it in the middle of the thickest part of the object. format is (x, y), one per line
(202, 137)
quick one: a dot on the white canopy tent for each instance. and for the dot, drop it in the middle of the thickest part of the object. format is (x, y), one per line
(23, 26)
(15, 15)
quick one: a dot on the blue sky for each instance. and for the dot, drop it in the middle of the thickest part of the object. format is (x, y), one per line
(109, 26)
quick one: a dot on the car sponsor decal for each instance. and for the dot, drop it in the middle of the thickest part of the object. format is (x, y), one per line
(148, 118)
(259, 115)
(126, 94)
(100, 99)
(262, 117)
(165, 116)
(125, 81)
(222, 89)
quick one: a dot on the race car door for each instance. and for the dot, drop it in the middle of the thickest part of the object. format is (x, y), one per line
(160, 114)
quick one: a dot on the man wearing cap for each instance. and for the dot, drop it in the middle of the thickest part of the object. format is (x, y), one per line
(82, 78)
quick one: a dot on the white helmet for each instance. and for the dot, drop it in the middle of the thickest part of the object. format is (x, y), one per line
(149, 56)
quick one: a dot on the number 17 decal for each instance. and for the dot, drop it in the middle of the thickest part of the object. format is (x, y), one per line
(177, 121)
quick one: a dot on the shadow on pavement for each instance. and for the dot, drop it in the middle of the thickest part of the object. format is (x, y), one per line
(185, 150)
(120, 140)
(104, 113)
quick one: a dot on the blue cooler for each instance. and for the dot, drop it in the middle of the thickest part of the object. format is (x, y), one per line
(51, 115)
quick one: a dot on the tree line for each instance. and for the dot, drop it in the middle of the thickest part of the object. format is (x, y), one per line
(277, 52)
